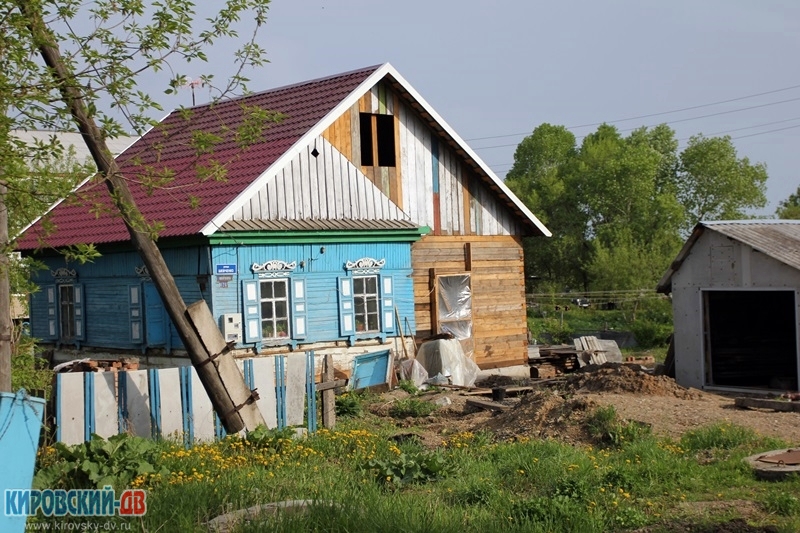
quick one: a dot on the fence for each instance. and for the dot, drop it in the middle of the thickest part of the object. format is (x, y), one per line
(172, 403)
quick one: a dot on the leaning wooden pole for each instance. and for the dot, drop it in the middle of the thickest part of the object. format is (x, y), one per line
(6, 326)
(231, 398)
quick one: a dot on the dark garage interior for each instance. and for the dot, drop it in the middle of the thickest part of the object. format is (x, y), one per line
(751, 339)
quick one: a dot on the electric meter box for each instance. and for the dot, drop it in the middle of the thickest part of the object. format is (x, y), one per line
(232, 327)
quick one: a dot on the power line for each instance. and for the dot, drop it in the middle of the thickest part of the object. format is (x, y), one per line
(673, 121)
(650, 114)
(499, 165)
(765, 132)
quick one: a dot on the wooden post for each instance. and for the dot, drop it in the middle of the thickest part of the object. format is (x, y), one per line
(227, 398)
(329, 395)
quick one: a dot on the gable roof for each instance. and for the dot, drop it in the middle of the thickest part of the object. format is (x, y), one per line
(189, 206)
(778, 239)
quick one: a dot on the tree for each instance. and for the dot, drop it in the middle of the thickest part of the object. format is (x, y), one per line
(789, 209)
(40, 86)
(714, 184)
(619, 207)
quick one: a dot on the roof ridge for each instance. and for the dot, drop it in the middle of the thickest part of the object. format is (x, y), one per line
(287, 87)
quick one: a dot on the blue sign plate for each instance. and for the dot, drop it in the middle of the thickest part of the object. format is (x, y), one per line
(226, 269)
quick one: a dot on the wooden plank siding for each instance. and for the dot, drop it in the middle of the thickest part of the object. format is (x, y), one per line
(328, 186)
(498, 291)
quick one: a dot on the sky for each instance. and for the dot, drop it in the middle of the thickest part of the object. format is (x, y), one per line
(496, 70)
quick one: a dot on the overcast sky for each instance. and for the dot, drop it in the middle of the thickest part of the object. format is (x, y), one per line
(500, 68)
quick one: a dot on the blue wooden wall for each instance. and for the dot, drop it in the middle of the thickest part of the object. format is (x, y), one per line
(107, 282)
(320, 271)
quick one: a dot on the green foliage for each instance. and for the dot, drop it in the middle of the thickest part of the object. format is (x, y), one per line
(620, 207)
(422, 467)
(349, 404)
(28, 371)
(604, 425)
(99, 462)
(408, 386)
(720, 436)
(790, 208)
(411, 407)
(782, 503)
(273, 439)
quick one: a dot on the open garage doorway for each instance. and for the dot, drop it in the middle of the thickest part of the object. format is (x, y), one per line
(750, 339)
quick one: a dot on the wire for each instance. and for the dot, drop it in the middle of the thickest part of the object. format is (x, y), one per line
(765, 132)
(500, 165)
(669, 122)
(651, 114)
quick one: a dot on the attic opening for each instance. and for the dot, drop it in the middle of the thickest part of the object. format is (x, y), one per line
(751, 339)
(377, 140)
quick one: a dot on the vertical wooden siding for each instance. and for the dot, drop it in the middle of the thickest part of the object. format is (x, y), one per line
(498, 292)
(328, 186)
(320, 272)
(464, 204)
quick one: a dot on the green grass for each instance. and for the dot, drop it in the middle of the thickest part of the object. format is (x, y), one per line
(470, 483)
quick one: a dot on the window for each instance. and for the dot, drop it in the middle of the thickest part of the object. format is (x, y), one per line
(64, 312)
(454, 305)
(366, 305)
(365, 296)
(66, 302)
(377, 140)
(274, 309)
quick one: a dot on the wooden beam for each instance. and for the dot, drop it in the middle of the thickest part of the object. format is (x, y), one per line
(490, 406)
(328, 395)
(775, 405)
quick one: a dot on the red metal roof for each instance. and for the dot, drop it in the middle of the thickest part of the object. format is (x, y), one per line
(187, 203)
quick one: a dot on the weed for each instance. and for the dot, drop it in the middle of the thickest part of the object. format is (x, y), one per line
(411, 407)
(99, 462)
(604, 425)
(349, 404)
(404, 469)
(722, 436)
(782, 503)
(408, 386)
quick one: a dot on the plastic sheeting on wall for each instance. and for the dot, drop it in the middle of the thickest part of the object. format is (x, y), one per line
(446, 357)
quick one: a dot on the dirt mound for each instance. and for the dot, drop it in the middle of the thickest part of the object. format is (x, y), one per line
(542, 414)
(622, 378)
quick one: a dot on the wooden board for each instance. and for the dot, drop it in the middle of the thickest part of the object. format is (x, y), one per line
(775, 405)
(484, 404)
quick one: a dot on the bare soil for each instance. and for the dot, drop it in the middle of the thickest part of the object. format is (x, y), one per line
(558, 409)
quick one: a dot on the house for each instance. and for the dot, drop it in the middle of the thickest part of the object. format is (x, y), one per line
(735, 303)
(356, 219)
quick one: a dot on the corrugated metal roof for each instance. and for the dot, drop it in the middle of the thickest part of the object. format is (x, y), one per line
(316, 225)
(779, 239)
(169, 150)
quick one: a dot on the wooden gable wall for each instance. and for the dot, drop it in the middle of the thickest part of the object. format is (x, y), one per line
(327, 186)
(430, 182)
(472, 230)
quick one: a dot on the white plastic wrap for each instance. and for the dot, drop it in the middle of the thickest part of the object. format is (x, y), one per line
(411, 369)
(446, 357)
